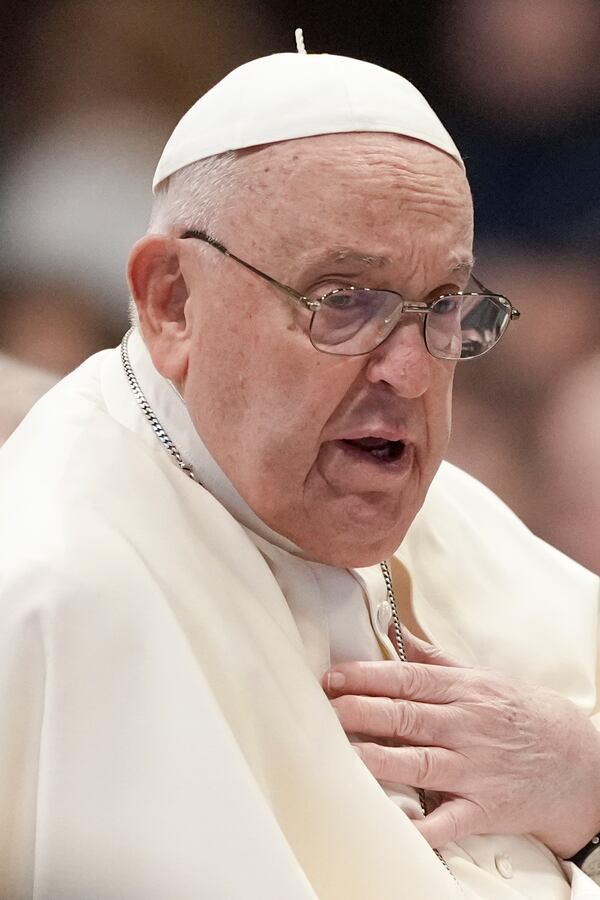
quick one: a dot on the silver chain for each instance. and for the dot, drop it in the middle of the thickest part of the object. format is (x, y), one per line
(401, 651)
(387, 577)
(140, 397)
(166, 441)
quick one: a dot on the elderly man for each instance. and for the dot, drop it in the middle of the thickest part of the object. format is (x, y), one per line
(202, 592)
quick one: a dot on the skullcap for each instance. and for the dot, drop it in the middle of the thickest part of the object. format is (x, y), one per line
(293, 95)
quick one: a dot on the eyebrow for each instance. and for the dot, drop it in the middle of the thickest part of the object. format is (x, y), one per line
(464, 267)
(353, 257)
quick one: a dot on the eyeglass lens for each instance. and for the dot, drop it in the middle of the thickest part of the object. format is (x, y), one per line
(456, 326)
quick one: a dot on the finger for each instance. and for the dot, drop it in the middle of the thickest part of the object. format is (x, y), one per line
(452, 821)
(402, 721)
(420, 651)
(410, 681)
(430, 768)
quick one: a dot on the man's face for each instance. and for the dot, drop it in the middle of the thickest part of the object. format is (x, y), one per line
(286, 422)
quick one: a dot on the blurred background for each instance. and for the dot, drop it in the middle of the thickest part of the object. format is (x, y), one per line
(92, 89)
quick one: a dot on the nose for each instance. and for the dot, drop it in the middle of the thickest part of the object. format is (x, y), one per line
(402, 361)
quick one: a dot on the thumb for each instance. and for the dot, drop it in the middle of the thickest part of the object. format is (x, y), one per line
(420, 651)
(453, 820)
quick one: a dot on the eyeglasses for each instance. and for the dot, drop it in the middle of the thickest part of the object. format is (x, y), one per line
(352, 321)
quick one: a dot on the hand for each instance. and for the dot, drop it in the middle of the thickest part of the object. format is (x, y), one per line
(508, 758)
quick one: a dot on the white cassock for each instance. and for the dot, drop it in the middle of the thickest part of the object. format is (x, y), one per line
(163, 732)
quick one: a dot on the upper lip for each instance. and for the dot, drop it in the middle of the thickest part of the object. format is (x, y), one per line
(382, 432)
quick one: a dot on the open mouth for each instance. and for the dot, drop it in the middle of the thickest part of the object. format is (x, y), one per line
(377, 448)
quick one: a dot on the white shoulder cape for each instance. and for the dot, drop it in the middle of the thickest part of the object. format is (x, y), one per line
(161, 733)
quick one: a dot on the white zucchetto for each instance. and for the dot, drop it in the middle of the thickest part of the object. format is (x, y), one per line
(293, 95)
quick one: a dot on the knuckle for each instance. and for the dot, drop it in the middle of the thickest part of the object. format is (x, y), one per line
(481, 822)
(403, 719)
(463, 818)
(425, 766)
(413, 678)
(389, 719)
(359, 714)
(376, 758)
(455, 829)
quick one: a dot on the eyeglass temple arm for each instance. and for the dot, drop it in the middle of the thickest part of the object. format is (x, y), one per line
(514, 312)
(203, 236)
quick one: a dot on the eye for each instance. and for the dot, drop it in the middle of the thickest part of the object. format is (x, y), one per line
(343, 299)
(328, 288)
(446, 305)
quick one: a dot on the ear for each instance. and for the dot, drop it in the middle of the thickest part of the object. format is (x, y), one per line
(160, 293)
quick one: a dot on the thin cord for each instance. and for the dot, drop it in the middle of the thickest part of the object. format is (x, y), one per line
(300, 47)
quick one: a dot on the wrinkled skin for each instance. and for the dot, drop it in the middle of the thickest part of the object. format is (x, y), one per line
(267, 404)
(508, 758)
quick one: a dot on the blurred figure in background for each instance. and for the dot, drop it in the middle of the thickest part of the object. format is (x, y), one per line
(95, 89)
(522, 82)
(568, 477)
(21, 386)
(498, 415)
(522, 79)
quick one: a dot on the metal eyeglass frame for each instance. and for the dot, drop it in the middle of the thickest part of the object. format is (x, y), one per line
(314, 305)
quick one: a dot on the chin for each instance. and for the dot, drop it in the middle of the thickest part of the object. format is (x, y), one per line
(354, 530)
(353, 546)
(355, 556)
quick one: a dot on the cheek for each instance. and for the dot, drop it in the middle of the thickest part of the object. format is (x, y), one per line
(259, 392)
(289, 402)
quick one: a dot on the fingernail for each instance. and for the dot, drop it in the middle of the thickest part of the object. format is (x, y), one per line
(335, 681)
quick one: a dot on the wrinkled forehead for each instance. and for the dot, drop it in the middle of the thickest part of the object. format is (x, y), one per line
(342, 185)
(358, 151)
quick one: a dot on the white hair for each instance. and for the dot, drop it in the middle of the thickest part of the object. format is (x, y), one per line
(194, 198)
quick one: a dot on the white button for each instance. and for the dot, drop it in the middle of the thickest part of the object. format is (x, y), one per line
(504, 866)
(384, 615)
